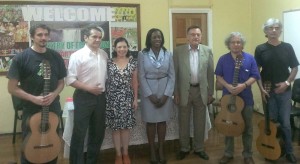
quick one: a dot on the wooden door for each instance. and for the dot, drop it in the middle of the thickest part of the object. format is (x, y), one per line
(180, 23)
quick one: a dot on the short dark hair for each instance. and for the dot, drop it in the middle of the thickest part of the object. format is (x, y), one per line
(120, 39)
(36, 26)
(87, 30)
(192, 27)
(148, 39)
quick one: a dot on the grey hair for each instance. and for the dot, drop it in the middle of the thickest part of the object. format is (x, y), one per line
(234, 34)
(271, 22)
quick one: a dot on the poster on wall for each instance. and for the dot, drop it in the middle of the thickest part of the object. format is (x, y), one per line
(66, 21)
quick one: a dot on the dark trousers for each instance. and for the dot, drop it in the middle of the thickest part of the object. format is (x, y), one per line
(27, 113)
(89, 114)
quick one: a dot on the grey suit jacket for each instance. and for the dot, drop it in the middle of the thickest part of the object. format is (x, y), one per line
(183, 73)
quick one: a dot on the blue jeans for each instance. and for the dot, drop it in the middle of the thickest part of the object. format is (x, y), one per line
(247, 135)
(279, 111)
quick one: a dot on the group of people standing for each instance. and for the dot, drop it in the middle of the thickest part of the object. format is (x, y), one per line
(274, 59)
(106, 89)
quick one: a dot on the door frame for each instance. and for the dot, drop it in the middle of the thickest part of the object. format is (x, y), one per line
(189, 11)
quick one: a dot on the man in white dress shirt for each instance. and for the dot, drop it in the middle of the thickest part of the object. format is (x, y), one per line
(87, 74)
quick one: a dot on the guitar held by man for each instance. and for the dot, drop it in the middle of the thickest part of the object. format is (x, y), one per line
(230, 121)
(267, 144)
(42, 144)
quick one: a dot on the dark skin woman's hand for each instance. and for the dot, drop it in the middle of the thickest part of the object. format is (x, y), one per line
(162, 101)
(154, 99)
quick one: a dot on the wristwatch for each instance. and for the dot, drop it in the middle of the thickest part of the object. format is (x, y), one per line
(287, 83)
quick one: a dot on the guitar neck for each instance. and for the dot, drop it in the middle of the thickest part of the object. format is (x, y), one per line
(267, 117)
(236, 76)
(267, 87)
(45, 109)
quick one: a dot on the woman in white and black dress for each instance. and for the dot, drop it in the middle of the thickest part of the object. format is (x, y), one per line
(121, 95)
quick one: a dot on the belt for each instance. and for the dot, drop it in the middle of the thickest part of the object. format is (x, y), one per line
(156, 78)
(194, 85)
(85, 92)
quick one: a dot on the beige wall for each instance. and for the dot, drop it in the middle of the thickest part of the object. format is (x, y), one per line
(271, 9)
(246, 16)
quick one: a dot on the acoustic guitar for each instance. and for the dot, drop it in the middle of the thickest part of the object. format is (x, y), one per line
(267, 144)
(42, 144)
(229, 120)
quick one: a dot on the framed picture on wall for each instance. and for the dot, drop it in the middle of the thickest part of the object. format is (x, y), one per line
(66, 20)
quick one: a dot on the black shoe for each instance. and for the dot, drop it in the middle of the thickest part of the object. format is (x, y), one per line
(154, 162)
(248, 160)
(202, 155)
(181, 155)
(225, 159)
(163, 161)
(291, 158)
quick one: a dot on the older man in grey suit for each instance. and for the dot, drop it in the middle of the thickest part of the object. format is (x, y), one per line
(194, 87)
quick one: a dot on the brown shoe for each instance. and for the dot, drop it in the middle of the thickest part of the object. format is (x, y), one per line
(126, 159)
(249, 160)
(225, 159)
(118, 160)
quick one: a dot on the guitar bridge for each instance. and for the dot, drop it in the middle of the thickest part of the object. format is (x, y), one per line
(229, 122)
(267, 146)
(43, 146)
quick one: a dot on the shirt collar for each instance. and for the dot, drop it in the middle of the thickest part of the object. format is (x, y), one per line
(89, 51)
(157, 62)
(190, 48)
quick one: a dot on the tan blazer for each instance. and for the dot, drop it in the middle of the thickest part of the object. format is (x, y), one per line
(183, 73)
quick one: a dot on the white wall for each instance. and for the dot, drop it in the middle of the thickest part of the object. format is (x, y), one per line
(291, 34)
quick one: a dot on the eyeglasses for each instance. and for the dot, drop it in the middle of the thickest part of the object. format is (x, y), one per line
(195, 35)
(273, 28)
(236, 42)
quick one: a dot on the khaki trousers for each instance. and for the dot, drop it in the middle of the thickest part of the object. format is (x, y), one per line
(199, 118)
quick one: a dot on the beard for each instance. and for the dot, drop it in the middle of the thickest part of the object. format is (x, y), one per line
(42, 44)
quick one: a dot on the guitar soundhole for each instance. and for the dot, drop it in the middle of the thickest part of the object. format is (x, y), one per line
(268, 132)
(231, 108)
(44, 127)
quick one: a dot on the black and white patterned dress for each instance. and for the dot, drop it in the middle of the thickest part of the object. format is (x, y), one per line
(119, 96)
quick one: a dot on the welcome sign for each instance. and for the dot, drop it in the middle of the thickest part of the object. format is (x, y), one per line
(66, 22)
(60, 13)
